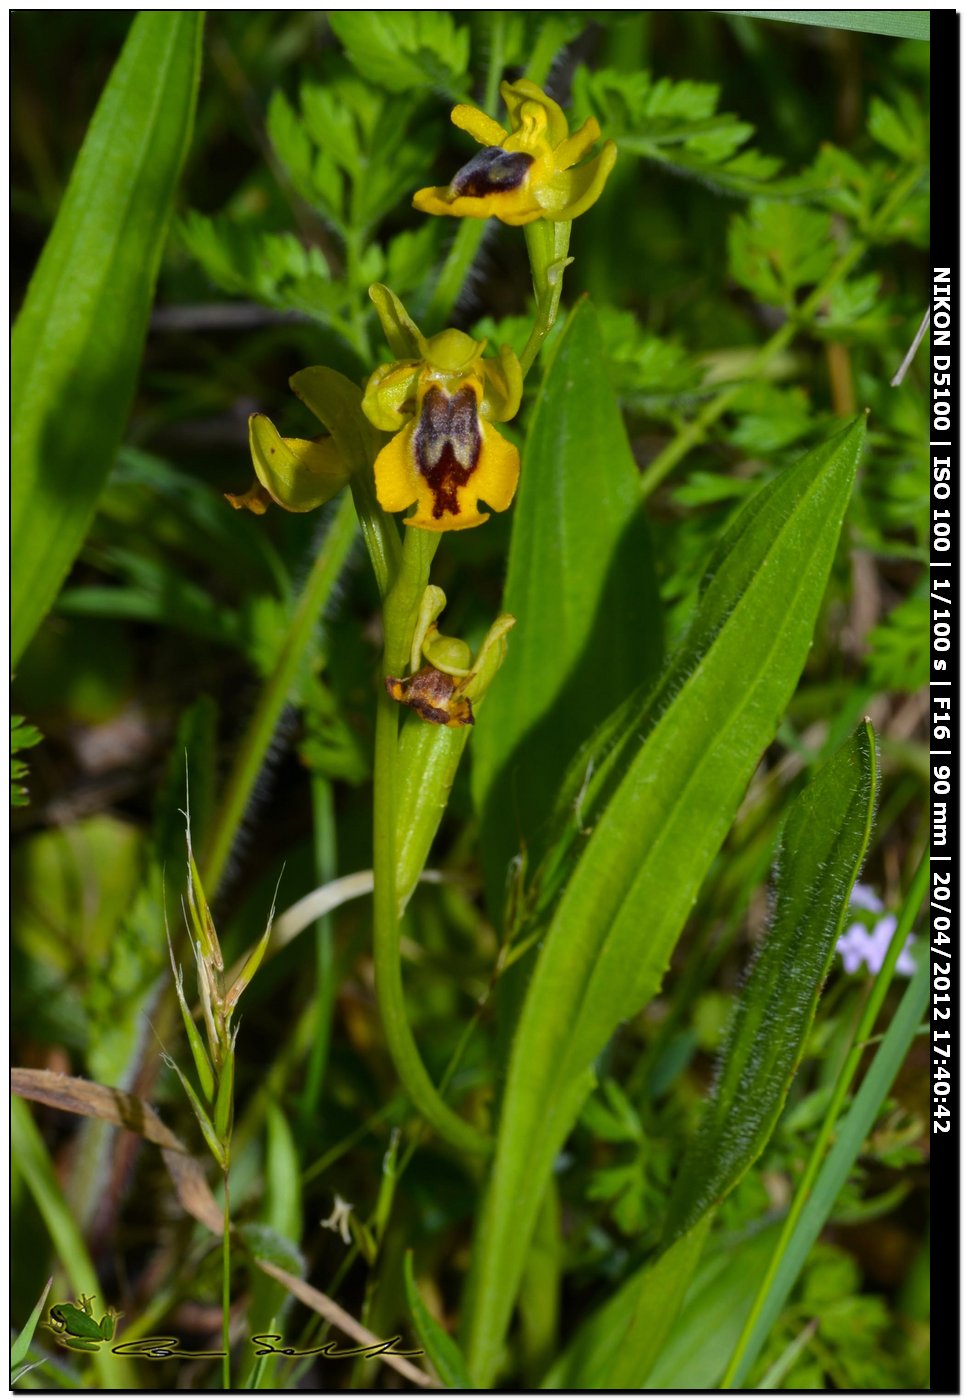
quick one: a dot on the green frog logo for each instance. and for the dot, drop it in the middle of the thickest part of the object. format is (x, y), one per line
(75, 1326)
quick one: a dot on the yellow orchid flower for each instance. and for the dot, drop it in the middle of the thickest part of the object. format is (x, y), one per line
(445, 455)
(527, 173)
(295, 473)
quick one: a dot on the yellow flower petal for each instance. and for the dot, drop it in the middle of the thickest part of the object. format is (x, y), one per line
(515, 207)
(575, 147)
(569, 194)
(483, 128)
(396, 481)
(497, 475)
(515, 94)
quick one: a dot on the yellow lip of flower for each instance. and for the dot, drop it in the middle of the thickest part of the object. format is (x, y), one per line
(527, 173)
(445, 455)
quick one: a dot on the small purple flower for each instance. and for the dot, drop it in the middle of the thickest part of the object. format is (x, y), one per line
(860, 946)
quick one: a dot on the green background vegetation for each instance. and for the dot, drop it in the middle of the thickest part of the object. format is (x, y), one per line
(757, 268)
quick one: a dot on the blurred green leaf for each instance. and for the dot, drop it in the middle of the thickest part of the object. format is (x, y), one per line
(22, 736)
(657, 794)
(405, 49)
(441, 1350)
(778, 248)
(676, 124)
(77, 341)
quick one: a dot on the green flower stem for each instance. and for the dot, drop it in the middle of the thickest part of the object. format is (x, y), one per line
(697, 429)
(226, 1290)
(254, 745)
(399, 614)
(842, 1086)
(547, 242)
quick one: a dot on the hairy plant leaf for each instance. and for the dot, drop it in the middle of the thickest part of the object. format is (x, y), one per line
(819, 854)
(850, 1135)
(685, 757)
(582, 586)
(77, 341)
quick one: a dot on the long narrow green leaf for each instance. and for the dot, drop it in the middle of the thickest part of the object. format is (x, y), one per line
(77, 342)
(770, 1282)
(852, 1134)
(820, 851)
(581, 583)
(690, 752)
(902, 24)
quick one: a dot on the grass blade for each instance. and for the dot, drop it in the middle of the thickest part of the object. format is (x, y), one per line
(33, 1160)
(21, 1346)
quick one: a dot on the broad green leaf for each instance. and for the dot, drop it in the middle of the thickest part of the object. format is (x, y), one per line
(636, 1320)
(819, 854)
(581, 584)
(77, 342)
(679, 763)
(440, 1348)
(701, 1340)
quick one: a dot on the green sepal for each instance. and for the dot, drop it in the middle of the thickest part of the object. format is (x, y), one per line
(403, 336)
(299, 475)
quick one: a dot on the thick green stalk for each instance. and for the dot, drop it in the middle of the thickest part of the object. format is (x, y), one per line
(254, 745)
(696, 430)
(842, 1087)
(400, 612)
